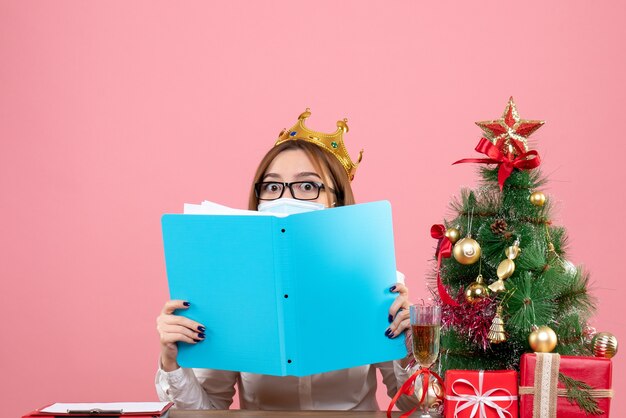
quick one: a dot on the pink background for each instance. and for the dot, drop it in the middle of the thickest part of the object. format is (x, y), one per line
(113, 113)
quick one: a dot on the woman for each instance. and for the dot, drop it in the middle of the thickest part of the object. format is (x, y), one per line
(305, 170)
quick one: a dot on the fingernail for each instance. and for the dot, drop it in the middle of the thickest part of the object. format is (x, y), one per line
(201, 328)
(388, 332)
(200, 335)
(390, 318)
(186, 303)
(392, 288)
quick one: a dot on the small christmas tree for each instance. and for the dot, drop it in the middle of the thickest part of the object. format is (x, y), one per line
(508, 273)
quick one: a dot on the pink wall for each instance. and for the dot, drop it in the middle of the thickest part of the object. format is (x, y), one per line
(114, 113)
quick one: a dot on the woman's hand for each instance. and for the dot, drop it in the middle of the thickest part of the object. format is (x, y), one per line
(173, 328)
(399, 311)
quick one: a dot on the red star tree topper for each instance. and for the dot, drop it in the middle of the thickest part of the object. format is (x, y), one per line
(510, 133)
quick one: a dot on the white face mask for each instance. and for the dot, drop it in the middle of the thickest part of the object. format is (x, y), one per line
(289, 206)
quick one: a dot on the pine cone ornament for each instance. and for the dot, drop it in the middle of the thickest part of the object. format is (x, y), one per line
(499, 227)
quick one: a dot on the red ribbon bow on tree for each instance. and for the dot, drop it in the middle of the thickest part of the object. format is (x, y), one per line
(444, 249)
(507, 163)
(408, 388)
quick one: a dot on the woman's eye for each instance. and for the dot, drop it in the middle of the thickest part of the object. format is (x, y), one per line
(307, 187)
(272, 187)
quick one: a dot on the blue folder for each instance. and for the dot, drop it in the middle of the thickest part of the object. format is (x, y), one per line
(299, 295)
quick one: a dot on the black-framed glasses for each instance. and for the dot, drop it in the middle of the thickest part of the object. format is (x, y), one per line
(301, 190)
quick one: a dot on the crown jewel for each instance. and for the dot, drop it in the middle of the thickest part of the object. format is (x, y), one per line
(332, 143)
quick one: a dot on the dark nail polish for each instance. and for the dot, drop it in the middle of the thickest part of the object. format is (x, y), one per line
(200, 335)
(201, 328)
(388, 332)
(186, 303)
(392, 288)
(390, 318)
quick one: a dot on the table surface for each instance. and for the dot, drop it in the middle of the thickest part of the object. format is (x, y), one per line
(278, 414)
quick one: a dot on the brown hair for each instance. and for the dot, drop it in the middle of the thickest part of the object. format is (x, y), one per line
(329, 167)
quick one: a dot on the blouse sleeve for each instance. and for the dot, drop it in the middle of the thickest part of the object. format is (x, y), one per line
(394, 376)
(197, 388)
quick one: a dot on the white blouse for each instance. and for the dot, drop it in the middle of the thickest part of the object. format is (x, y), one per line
(347, 389)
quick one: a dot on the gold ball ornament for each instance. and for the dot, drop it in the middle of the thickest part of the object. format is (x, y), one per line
(466, 251)
(538, 198)
(434, 396)
(604, 345)
(453, 235)
(476, 290)
(542, 340)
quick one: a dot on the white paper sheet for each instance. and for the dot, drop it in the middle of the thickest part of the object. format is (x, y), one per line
(126, 407)
(211, 208)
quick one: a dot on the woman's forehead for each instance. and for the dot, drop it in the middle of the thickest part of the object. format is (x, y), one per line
(292, 162)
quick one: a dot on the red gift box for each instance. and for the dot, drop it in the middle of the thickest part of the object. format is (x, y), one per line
(535, 373)
(480, 394)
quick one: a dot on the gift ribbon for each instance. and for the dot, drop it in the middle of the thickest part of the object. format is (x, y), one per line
(527, 160)
(562, 392)
(480, 400)
(546, 380)
(444, 249)
(408, 388)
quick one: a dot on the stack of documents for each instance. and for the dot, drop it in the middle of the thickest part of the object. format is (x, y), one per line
(295, 295)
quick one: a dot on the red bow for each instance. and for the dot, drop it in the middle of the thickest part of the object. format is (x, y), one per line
(527, 160)
(444, 249)
(409, 388)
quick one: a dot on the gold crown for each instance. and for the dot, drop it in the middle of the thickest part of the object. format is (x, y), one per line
(332, 143)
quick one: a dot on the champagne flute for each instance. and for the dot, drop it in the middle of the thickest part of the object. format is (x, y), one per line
(426, 327)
